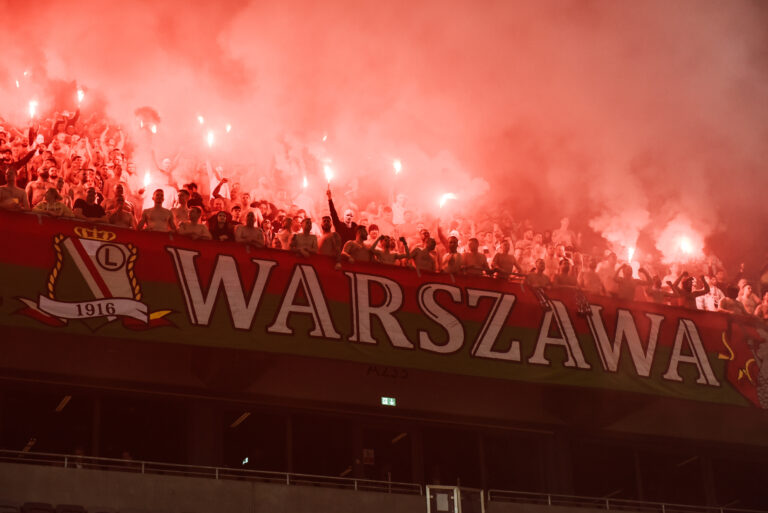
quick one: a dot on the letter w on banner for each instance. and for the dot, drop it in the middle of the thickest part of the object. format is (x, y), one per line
(92, 280)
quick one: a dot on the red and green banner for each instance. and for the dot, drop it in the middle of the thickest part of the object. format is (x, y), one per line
(101, 281)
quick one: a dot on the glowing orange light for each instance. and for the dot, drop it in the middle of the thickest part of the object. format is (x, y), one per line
(147, 178)
(686, 246)
(209, 138)
(445, 197)
(398, 166)
(630, 254)
(32, 108)
(80, 96)
(328, 173)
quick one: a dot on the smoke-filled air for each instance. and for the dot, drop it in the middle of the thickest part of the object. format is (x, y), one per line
(643, 122)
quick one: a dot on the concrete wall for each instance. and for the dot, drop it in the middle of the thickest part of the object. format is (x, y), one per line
(145, 493)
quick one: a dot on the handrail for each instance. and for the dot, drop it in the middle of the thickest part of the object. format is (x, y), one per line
(154, 467)
(291, 478)
(607, 503)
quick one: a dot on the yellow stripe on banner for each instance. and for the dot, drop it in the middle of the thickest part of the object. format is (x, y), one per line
(726, 357)
(159, 314)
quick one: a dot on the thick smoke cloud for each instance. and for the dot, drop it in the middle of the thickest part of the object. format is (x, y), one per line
(623, 115)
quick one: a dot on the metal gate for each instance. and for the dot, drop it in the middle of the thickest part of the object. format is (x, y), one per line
(454, 499)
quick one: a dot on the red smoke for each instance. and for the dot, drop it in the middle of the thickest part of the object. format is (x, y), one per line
(600, 110)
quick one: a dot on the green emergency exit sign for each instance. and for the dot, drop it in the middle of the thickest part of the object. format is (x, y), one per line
(388, 401)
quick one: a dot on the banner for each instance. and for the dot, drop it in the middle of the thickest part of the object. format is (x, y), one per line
(99, 280)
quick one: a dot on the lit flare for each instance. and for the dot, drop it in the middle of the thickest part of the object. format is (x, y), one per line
(209, 138)
(32, 108)
(398, 166)
(445, 197)
(685, 246)
(328, 173)
(147, 179)
(80, 96)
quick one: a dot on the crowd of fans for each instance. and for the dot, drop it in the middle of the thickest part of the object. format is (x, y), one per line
(67, 167)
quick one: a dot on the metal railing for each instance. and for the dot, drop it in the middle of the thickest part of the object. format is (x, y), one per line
(293, 479)
(605, 503)
(174, 469)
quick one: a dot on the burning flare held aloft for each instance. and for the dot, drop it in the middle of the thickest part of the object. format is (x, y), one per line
(328, 171)
(680, 242)
(445, 197)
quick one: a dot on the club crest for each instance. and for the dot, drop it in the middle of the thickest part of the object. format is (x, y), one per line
(93, 281)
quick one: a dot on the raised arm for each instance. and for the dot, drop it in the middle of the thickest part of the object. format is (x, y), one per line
(88, 150)
(703, 291)
(407, 253)
(74, 118)
(54, 122)
(215, 192)
(32, 134)
(647, 281)
(375, 243)
(334, 216)
(441, 236)
(676, 284)
(103, 138)
(22, 161)
(121, 142)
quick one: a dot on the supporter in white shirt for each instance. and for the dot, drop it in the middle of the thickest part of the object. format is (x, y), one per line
(711, 300)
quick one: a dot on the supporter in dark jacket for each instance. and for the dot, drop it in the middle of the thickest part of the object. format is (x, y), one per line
(347, 228)
(221, 226)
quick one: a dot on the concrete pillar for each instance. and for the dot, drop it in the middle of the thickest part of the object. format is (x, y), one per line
(204, 434)
(417, 455)
(96, 426)
(481, 462)
(708, 480)
(358, 469)
(288, 443)
(638, 475)
(559, 464)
